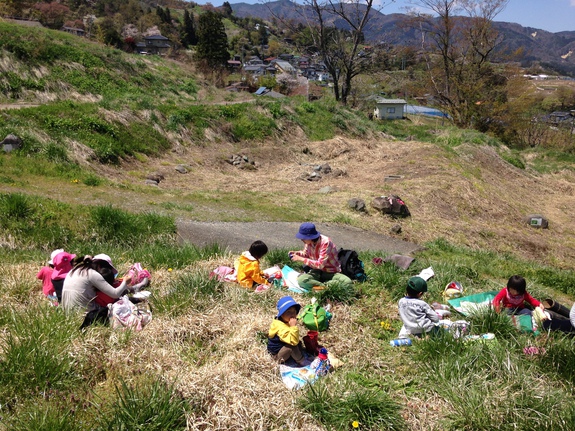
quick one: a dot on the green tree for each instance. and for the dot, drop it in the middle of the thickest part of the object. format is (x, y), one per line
(226, 9)
(212, 48)
(107, 33)
(189, 30)
(460, 43)
(262, 34)
(131, 11)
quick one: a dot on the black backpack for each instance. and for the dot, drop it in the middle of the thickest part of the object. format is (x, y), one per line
(351, 265)
(392, 205)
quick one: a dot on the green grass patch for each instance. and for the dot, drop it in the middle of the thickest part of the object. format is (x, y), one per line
(36, 355)
(342, 404)
(147, 405)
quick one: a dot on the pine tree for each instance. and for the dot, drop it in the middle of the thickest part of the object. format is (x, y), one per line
(227, 10)
(212, 48)
(189, 31)
(160, 12)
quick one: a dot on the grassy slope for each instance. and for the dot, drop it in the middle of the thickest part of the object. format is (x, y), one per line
(206, 337)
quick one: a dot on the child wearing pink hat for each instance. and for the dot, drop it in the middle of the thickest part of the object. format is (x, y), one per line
(62, 266)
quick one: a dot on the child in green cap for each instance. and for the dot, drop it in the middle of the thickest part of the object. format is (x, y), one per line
(418, 317)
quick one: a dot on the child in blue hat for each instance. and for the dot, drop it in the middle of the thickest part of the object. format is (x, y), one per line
(283, 336)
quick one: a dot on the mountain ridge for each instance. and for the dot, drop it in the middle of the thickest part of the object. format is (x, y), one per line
(537, 45)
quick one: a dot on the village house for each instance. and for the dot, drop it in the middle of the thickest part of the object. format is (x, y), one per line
(74, 30)
(389, 109)
(284, 67)
(155, 44)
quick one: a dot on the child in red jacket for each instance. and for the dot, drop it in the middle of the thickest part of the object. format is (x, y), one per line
(514, 296)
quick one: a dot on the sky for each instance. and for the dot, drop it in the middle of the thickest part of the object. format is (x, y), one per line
(550, 15)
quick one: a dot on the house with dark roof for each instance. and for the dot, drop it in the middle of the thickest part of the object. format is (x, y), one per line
(74, 30)
(154, 44)
(234, 64)
(264, 91)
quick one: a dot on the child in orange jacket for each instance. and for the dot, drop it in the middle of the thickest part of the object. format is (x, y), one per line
(248, 271)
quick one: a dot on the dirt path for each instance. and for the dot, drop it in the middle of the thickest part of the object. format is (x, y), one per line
(237, 237)
(17, 105)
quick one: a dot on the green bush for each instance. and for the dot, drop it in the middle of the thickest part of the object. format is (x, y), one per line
(35, 355)
(338, 403)
(130, 229)
(37, 415)
(149, 405)
(194, 290)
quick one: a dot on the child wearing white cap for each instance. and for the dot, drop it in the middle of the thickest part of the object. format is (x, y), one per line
(45, 275)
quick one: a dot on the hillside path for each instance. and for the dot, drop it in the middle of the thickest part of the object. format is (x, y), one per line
(237, 236)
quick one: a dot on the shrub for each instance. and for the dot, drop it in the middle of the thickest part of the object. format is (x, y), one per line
(192, 290)
(336, 292)
(149, 405)
(337, 404)
(35, 355)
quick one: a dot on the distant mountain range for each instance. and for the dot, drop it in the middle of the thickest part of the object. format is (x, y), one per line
(552, 50)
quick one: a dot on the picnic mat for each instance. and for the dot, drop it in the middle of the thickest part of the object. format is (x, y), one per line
(472, 303)
(297, 377)
(469, 304)
(290, 276)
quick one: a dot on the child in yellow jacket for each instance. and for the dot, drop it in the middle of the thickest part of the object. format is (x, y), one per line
(248, 270)
(283, 336)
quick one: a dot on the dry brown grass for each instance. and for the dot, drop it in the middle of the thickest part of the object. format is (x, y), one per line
(469, 196)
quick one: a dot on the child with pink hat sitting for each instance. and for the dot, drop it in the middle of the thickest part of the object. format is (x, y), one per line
(62, 266)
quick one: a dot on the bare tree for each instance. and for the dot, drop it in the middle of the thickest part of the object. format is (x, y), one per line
(337, 31)
(459, 44)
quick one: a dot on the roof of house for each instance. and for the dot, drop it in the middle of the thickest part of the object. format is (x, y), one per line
(284, 65)
(156, 37)
(381, 101)
(254, 68)
(274, 94)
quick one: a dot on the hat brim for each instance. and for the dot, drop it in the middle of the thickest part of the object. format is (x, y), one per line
(107, 259)
(302, 236)
(286, 306)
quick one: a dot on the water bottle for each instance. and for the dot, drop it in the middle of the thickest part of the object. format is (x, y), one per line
(321, 364)
(400, 342)
(277, 280)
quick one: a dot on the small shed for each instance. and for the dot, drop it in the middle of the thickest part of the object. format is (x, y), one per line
(389, 109)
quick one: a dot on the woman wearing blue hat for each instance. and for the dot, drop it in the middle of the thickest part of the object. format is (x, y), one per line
(320, 255)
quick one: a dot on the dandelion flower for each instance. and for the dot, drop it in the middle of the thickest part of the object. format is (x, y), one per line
(385, 325)
(169, 269)
(355, 424)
